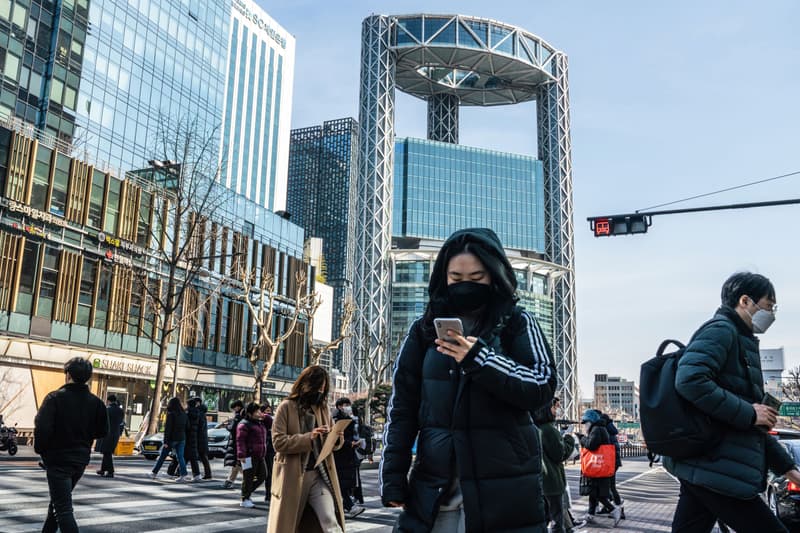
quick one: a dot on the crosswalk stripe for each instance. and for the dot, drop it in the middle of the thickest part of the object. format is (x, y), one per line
(227, 525)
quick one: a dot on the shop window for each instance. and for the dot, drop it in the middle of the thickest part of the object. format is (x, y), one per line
(41, 179)
(112, 205)
(47, 283)
(58, 194)
(10, 247)
(83, 315)
(96, 196)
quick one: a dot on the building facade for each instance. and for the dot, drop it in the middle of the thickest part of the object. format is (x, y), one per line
(90, 91)
(616, 396)
(323, 172)
(257, 109)
(81, 255)
(450, 61)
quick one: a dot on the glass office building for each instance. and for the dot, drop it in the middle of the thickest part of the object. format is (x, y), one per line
(323, 174)
(257, 110)
(441, 187)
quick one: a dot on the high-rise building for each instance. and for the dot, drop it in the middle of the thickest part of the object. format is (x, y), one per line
(87, 87)
(450, 61)
(323, 172)
(258, 103)
(616, 396)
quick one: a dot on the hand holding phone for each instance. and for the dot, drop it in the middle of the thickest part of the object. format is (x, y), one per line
(443, 325)
(771, 401)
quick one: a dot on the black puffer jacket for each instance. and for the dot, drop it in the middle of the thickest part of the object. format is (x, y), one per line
(230, 450)
(473, 422)
(202, 431)
(598, 435)
(193, 415)
(175, 427)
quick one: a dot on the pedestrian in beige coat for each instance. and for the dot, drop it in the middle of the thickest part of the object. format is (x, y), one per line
(304, 499)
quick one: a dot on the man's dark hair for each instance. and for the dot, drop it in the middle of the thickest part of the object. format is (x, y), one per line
(79, 369)
(741, 284)
(236, 403)
(343, 401)
(112, 398)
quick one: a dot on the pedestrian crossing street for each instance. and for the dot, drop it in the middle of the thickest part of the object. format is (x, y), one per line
(131, 503)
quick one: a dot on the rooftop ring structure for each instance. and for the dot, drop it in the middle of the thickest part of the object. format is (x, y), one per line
(480, 61)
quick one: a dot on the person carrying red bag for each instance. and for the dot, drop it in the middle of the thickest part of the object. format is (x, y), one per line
(597, 465)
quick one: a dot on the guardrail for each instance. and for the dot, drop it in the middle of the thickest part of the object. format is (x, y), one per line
(632, 451)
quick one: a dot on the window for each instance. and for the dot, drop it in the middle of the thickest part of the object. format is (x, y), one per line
(58, 197)
(47, 284)
(112, 205)
(67, 286)
(9, 255)
(41, 179)
(86, 292)
(145, 211)
(103, 296)
(27, 279)
(95, 218)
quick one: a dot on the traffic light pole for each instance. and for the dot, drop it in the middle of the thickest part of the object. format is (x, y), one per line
(639, 221)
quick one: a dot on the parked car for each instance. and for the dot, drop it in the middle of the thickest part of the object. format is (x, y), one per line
(217, 441)
(783, 496)
(785, 433)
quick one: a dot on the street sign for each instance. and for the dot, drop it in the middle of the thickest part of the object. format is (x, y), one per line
(790, 409)
(622, 438)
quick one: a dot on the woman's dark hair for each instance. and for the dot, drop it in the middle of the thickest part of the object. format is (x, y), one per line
(79, 369)
(504, 283)
(251, 408)
(311, 380)
(174, 406)
(112, 398)
(741, 284)
(236, 403)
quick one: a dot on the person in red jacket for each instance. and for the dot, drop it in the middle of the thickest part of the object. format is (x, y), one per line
(251, 449)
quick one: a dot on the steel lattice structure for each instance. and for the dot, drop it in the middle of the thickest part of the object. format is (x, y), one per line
(452, 60)
(443, 118)
(376, 167)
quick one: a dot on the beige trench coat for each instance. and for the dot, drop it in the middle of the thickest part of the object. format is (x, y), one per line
(292, 449)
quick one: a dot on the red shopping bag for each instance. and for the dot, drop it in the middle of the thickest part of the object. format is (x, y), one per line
(598, 463)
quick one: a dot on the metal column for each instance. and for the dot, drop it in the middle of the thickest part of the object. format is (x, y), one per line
(443, 118)
(375, 177)
(555, 151)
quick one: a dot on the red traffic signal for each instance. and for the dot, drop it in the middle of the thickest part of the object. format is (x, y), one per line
(619, 225)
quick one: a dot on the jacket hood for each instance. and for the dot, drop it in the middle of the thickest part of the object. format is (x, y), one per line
(484, 236)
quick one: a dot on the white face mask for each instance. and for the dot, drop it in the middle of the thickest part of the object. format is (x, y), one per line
(762, 320)
(347, 410)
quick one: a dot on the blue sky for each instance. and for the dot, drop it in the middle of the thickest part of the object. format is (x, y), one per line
(669, 100)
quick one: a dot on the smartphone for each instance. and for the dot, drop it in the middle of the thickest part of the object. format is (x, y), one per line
(771, 401)
(444, 324)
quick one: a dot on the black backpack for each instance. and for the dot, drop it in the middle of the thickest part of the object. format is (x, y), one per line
(671, 425)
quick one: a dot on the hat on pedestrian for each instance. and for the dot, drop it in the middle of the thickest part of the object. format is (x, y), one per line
(590, 415)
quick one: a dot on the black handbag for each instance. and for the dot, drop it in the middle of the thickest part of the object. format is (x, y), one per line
(585, 486)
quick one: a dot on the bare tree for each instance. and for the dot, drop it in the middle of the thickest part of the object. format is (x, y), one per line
(263, 306)
(373, 371)
(188, 219)
(791, 386)
(316, 352)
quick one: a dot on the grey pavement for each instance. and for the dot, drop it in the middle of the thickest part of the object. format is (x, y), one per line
(131, 503)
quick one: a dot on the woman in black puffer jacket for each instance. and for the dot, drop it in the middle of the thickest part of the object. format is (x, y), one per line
(478, 465)
(599, 488)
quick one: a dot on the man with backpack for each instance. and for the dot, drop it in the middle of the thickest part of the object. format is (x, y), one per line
(719, 374)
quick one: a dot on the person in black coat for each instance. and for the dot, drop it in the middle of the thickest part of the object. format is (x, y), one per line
(237, 406)
(191, 452)
(202, 440)
(68, 420)
(346, 460)
(467, 401)
(615, 497)
(599, 488)
(174, 439)
(116, 423)
(267, 419)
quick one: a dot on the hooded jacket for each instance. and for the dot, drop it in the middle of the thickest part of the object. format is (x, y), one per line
(720, 373)
(471, 422)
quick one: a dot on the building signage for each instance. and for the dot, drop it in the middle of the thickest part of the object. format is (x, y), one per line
(119, 243)
(122, 365)
(242, 8)
(35, 214)
(33, 230)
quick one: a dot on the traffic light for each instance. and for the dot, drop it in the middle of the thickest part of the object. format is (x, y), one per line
(619, 225)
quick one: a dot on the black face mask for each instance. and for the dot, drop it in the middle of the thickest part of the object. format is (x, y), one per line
(468, 295)
(312, 398)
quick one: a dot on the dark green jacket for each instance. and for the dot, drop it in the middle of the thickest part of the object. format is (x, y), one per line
(720, 373)
(557, 449)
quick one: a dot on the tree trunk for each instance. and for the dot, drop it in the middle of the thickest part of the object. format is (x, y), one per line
(155, 406)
